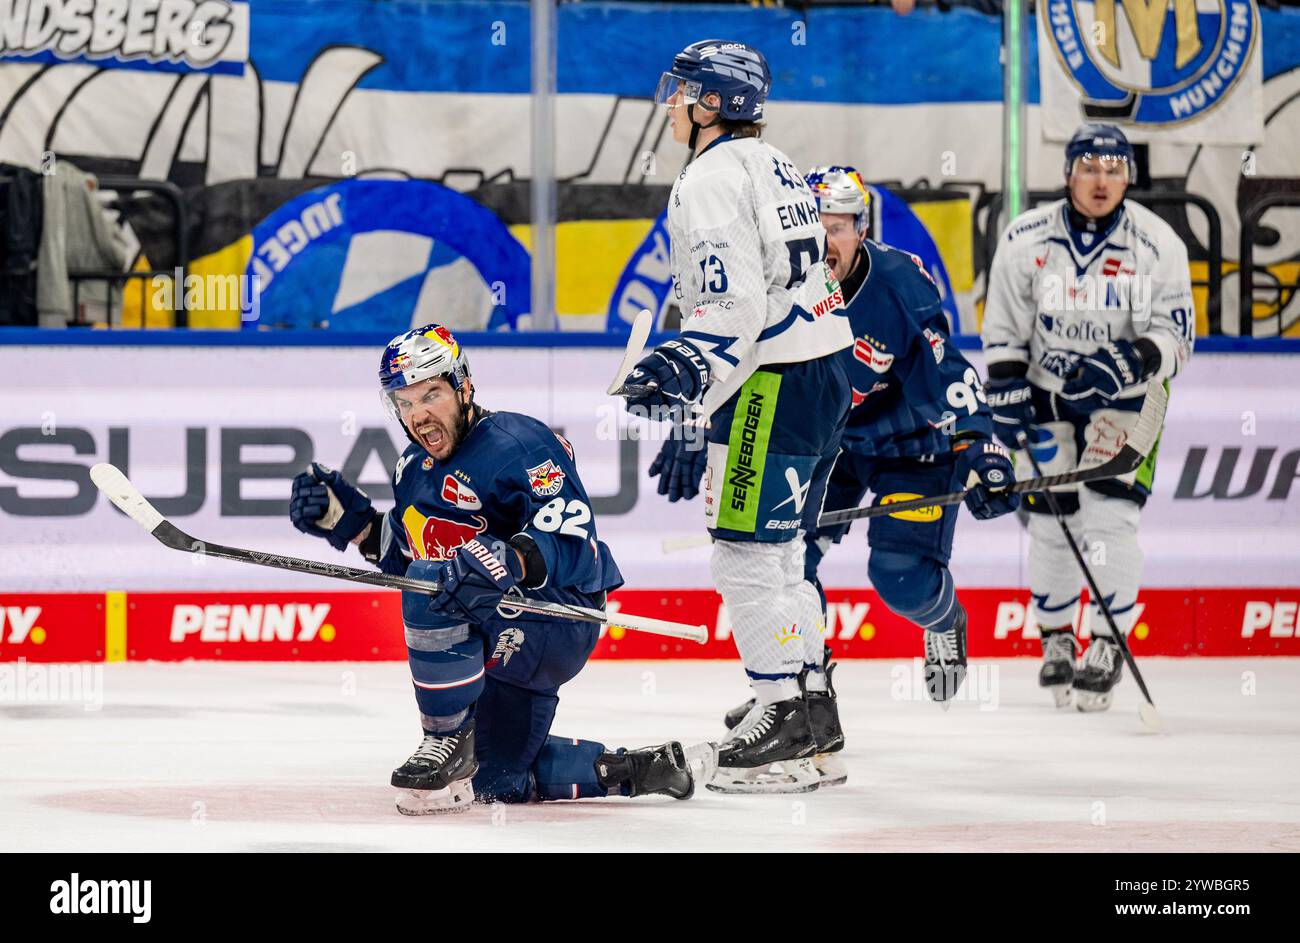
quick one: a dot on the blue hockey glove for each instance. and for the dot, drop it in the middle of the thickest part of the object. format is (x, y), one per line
(1010, 401)
(325, 504)
(473, 581)
(1103, 375)
(679, 466)
(985, 468)
(677, 370)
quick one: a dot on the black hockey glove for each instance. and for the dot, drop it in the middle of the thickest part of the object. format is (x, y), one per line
(985, 468)
(679, 466)
(1010, 401)
(1102, 375)
(473, 581)
(677, 371)
(325, 504)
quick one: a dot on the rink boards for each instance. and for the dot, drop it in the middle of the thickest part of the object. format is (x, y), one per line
(366, 626)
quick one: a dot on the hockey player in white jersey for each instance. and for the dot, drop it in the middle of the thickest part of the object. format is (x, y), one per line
(762, 320)
(1089, 301)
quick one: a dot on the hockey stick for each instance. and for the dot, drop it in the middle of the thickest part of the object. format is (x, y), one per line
(1136, 447)
(635, 347)
(1147, 712)
(133, 504)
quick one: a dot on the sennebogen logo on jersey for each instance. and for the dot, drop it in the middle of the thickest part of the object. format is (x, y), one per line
(155, 35)
(1152, 62)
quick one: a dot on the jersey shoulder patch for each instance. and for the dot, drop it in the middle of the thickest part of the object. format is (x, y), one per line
(1034, 224)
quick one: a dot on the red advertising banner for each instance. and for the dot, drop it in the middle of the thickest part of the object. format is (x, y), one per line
(52, 627)
(365, 626)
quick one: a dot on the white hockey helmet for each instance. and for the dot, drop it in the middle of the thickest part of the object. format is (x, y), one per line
(841, 190)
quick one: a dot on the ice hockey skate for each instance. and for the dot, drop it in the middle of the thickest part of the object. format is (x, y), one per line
(945, 662)
(1057, 673)
(438, 776)
(649, 771)
(769, 751)
(1096, 679)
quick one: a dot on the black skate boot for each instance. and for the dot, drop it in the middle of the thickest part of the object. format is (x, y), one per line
(824, 718)
(1057, 673)
(438, 776)
(945, 661)
(649, 771)
(734, 716)
(770, 751)
(1102, 666)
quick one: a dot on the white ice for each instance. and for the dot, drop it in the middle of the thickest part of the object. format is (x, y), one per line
(296, 757)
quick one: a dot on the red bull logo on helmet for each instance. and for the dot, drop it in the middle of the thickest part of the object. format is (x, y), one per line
(437, 538)
(444, 337)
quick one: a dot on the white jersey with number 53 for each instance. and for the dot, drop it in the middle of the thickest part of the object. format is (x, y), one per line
(747, 263)
(1056, 293)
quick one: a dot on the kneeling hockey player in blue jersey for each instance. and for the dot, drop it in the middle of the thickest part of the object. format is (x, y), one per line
(488, 504)
(919, 425)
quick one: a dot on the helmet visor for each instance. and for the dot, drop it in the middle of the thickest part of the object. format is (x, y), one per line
(674, 91)
(1090, 164)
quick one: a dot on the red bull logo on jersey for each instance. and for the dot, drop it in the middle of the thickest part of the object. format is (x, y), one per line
(437, 538)
(545, 479)
(460, 494)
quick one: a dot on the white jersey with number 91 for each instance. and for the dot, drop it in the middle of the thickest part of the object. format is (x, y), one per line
(1057, 293)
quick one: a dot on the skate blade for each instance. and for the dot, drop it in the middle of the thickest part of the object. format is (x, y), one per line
(1062, 694)
(702, 761)
(831, 770)
(784, 777)
(942, 687)
(455, 798)
(1092, 701)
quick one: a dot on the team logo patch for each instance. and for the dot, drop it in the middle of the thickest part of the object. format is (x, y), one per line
(1143, 63)
(460, 494)
(427, 464)
(936, 344)
(508, 642)
(545, 479)
(916, 515)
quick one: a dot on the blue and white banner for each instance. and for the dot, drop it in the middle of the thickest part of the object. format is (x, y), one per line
(154, 35)
(1182, 71)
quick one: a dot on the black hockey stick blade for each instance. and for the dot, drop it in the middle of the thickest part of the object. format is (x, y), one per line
(1141, 440)
(128, 499)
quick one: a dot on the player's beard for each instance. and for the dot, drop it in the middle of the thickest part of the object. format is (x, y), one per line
(446, 439)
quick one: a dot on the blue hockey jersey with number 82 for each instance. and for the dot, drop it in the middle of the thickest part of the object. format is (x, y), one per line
(511, 475)
(912, 388)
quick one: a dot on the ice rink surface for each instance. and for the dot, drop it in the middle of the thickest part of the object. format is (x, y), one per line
(296, 757)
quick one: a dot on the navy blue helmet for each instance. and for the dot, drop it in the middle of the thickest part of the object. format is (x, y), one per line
(736, 72)
(1100, 140)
